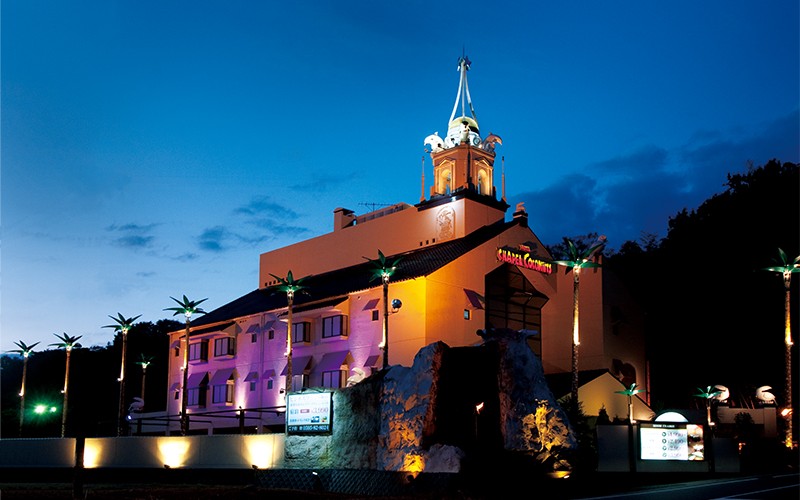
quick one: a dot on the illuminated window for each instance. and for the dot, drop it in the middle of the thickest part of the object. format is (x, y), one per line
(223, 393)
(334, 326)
(226, 346)
(196, 396)
(334, 379)
(467, 314)
(301, 332)
(198, 351)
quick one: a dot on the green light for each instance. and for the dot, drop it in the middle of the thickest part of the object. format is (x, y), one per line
(41, 409)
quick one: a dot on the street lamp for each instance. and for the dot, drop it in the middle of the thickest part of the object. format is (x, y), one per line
(786, 268)
(187, 308)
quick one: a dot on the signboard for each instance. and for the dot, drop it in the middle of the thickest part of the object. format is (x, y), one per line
(671, 441)
(309, 412)
(523, 257)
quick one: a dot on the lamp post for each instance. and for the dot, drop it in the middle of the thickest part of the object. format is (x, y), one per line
(289, 286)
(68, 343)
(187, 308)
(25, 350)
(786, 268)
(577, 260)
(123, 326)
(384, 270)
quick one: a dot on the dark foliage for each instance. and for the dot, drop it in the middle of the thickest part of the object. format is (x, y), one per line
(93, 386)
(713, 317)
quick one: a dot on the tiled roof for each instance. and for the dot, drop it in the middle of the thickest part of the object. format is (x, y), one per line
(337, 284)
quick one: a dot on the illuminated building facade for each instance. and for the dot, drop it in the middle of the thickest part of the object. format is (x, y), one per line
(462, 266)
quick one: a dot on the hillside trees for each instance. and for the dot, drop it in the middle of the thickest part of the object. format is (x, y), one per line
(712, 318)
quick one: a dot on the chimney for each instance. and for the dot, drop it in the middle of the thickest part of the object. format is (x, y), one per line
(521, 215)
(343, 218)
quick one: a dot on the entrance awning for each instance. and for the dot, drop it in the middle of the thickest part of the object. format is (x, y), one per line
(372, 304)
(222, 376)
(372, 361)
(299, 364)
(197, 379)
(333, 361)
(475, 300)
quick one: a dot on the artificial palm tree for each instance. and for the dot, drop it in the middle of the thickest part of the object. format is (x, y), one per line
(144, 362)
(122, 326)
(26, 351)
(786, 268)
(187, 308)
(289, 286)
(576, 260)
(384, 271)
(708, 394)
(630, 392)
(68, 343)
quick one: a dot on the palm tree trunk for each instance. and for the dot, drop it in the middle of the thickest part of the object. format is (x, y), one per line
(144, 377)
(64, 407)
(22, 393)
(575, 338)
(121, 408)
(184, 385)
(788, 345)
(386, 322)
(290, 300)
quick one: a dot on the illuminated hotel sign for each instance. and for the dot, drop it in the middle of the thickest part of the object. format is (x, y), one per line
(522, 257)
(309, 412)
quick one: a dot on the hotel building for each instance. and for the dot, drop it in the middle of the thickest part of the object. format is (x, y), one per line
(462, 265)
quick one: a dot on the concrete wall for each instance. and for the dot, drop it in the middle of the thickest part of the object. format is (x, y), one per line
(266, 451)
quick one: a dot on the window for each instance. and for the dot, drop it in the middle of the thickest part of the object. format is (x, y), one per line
(253, 338)
(177, 395)
(196, 396)
(198, 351)
(223, 393)
(467, 314)
(299, 382)
(226, 346)
(375, 315)
(252, 385)
(271, 334)
(301, 332)
(177, 351)
(269, 384)
(334, 379)
(334, 326)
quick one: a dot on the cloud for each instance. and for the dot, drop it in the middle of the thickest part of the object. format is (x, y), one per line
(132, 235)
(630, 195)
(263, 206)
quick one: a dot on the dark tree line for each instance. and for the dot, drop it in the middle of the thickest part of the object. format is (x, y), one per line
(93, 385)
(712, 315)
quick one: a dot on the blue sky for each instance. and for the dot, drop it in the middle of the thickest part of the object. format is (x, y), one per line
(155, 149)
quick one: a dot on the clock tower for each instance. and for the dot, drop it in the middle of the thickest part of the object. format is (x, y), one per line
(463, 162)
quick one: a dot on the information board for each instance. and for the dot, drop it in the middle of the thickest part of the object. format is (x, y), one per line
(309, 412)
(671, 441)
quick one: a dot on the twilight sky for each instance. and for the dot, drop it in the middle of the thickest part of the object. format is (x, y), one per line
(155, 148)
